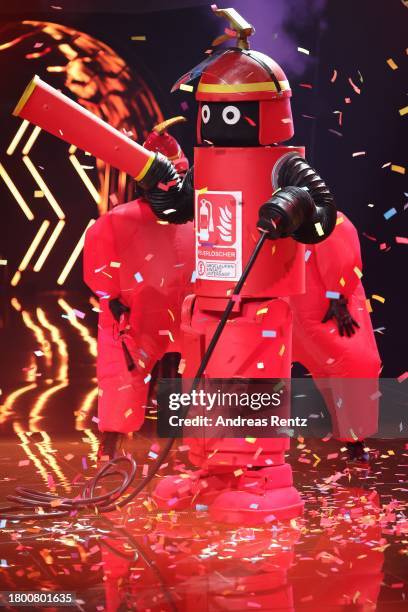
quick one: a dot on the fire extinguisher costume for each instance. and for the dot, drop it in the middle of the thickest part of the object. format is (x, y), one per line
(333, 336)
(247, 182)
(244, 108)
(140, 270)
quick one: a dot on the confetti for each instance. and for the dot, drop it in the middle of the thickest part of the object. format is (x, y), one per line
(392, 64)
(379, 298)
(357, 272)
(403, 111)
(185, 87)
(334, 76)
(390, 213)
(114, 264)
(354, 86)
(138, 277)
(307, 254)
(268, 333)
(333, 295)
(302, 50)
(147, 379)
(141, 37)
(398, 169)
(319, 229)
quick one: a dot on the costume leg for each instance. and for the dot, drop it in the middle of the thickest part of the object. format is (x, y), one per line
(333, 360)
(242, 352)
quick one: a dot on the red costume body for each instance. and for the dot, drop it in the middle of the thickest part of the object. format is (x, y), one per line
(335, 265)
(148, 266)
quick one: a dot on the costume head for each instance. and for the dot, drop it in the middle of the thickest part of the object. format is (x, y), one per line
(243, 95)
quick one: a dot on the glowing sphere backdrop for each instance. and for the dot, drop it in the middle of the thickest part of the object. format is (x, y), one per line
(41, 178)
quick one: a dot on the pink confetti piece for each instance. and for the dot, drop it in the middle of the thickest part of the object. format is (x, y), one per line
(334, 76)
(23, 462)
(354, 86)
(69, 457)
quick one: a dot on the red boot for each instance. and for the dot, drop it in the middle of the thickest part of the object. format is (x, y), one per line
(185, 490)
(260, 497)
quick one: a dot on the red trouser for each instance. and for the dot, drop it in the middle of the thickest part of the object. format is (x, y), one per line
(241, 352)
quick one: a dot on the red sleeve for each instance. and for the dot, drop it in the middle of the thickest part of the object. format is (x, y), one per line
(338, 258)
(100, 256)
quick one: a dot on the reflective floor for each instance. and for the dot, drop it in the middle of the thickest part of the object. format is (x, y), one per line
(348, 552)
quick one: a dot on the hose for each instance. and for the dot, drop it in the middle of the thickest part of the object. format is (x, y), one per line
(296, 172)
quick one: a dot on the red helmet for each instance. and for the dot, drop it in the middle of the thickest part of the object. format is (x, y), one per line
(240, 74)
(160, 140)
(243, 75)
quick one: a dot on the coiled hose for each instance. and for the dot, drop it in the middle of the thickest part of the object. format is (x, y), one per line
(296, 172)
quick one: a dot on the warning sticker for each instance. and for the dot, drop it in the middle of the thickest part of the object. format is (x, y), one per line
(218, 218)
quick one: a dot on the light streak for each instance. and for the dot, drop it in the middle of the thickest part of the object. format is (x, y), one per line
(43, 186)
(31, 140)
(74, 256)
(16, 194)
(17, 137)
(50, 243)
(85, 179)
(30, 252)
(83, 330)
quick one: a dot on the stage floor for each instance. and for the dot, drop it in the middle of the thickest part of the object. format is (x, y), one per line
(349, 551)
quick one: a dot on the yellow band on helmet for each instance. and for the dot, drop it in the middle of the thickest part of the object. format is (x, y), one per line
(242, 87)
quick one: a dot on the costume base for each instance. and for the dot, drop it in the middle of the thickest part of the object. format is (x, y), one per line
(253, 498)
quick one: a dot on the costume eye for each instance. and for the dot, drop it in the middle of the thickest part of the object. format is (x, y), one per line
(231, 115)
(205, 113)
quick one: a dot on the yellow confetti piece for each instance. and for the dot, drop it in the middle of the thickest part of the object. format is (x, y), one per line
(342, 282)
(339, 220)
(128, 413)
(368, 306)
(250, 440)
(392, 64)
(138, 37)
(399, 169)
(357, 272)
(282, 350)
(171, 314)
(162, 222)
(202, 190)
(262, 311)
(238, 472)
(185, 87)
(273, 249)
(379, 298)
(403, 111)
(3, 262)
(319, 229)
(38, 193)
(114, 264)
(260, 365)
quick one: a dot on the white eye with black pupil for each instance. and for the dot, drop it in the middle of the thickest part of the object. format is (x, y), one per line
(205, 113)
(231, 115)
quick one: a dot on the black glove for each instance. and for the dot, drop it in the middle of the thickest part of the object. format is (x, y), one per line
(170, 197)
(339, 312)
(287, 209)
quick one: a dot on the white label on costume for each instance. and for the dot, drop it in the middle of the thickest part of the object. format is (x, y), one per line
(218, 227)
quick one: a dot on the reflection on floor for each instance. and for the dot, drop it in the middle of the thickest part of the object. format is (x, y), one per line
(349, 552)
